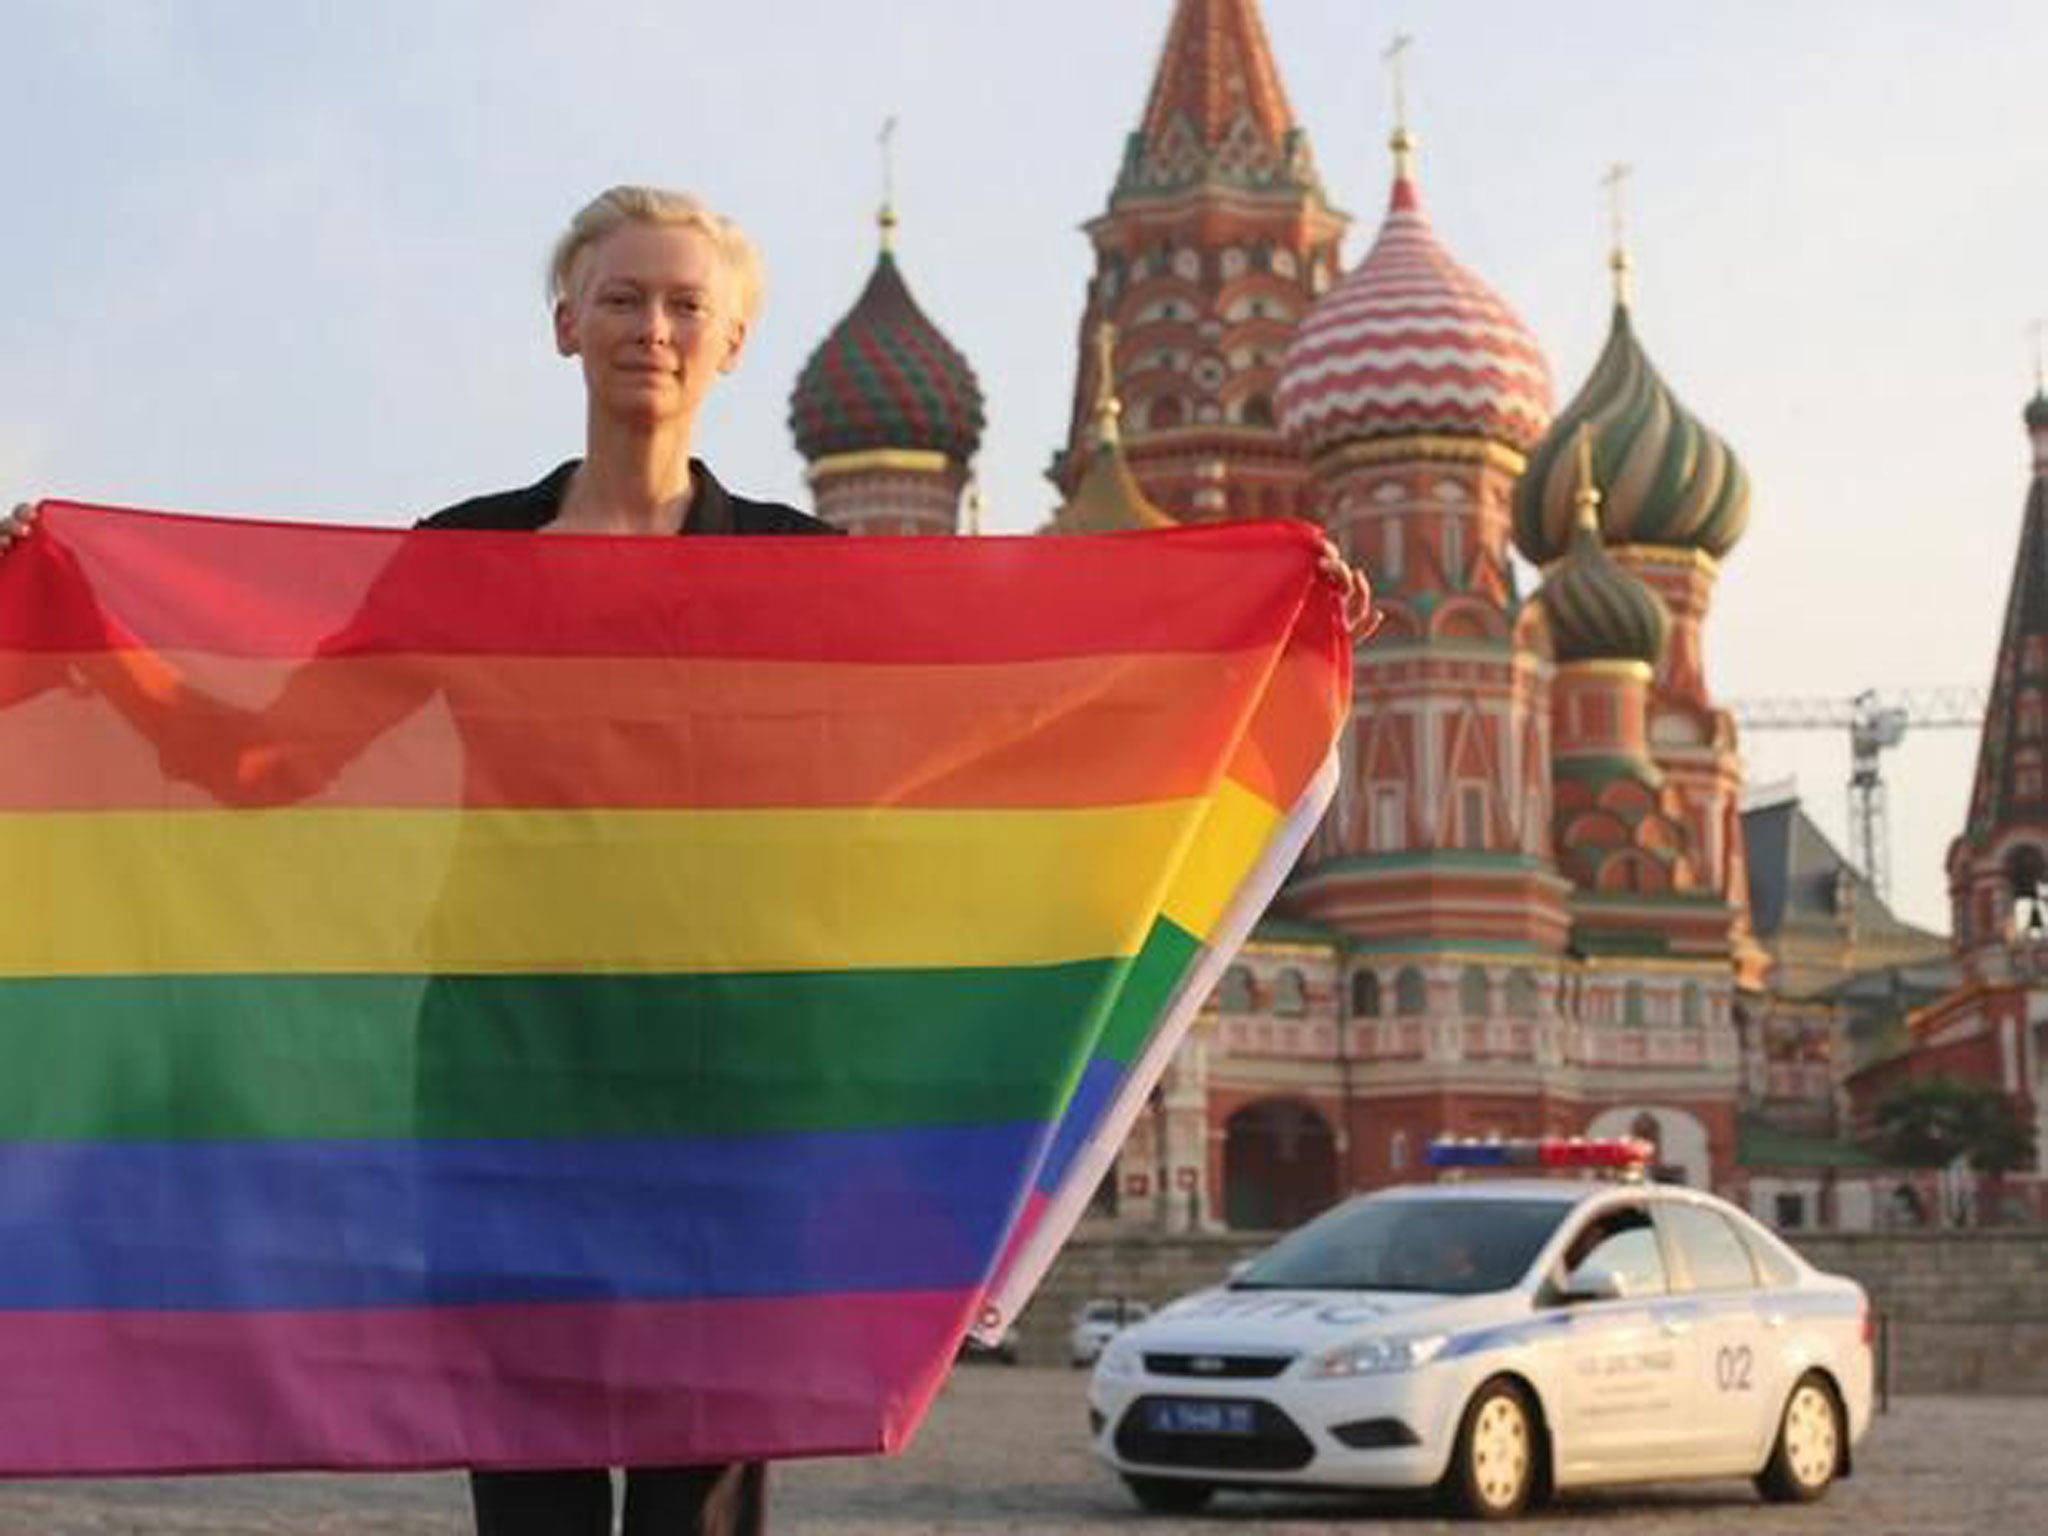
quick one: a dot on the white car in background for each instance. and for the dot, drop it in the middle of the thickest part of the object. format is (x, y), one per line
(1098, 1321)
(1497, 1340)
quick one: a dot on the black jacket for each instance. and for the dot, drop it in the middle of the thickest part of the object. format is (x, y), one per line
(713, 509)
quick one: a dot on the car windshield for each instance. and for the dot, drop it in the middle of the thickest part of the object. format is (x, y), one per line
(1461, 1247)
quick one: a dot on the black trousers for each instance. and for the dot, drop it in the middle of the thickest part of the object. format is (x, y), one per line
(726, 1500)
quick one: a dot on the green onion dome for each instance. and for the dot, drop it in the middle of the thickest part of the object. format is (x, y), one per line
(2037, 412)
(886, 377)
(1599, 610)
(1670, 480)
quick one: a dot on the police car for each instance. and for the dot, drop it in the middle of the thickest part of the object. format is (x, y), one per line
(1496, 1339)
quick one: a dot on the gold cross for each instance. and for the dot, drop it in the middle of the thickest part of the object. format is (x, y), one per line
(887, 139)
(1395, 66)
(1617, 257)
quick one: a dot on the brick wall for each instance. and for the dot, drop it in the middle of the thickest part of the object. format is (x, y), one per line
(1965, 1311)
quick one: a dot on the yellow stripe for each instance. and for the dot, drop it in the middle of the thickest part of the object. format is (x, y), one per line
(1235, 831)
(351, 891)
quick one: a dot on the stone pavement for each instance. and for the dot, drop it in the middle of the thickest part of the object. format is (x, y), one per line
(1003, 1453)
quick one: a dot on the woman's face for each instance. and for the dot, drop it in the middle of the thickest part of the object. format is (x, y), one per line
(651, 316)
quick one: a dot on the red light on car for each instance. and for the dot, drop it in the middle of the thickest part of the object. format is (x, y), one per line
(1611, 1152)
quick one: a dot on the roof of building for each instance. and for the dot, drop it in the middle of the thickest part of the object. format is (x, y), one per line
(1410, 343)
(1796, 874)
(886, 377)
(1217, 114)
(1669, 480)
(1760, 1144)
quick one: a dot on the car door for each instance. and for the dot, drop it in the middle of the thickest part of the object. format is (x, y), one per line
(1625, 1369)
(1737, 1366)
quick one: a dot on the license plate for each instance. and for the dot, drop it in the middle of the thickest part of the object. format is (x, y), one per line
(1199, 1416)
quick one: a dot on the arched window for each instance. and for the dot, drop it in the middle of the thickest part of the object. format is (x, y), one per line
(1692, 1006)
(1258, 412)
(1632, 1004)
(1235, 994)
(1411, 996)
(1365, 994)
(1475, 998)
(1397, 1151)
(1290, 994)
(1521, 994)
(1166, 411)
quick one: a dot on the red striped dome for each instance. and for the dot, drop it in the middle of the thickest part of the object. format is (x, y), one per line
(1410, 342)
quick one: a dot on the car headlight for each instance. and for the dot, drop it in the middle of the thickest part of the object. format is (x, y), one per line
(1120, 1357)
(1379, 1356)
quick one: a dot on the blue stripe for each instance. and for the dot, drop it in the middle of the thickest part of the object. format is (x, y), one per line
(337, 1224)
(1085, 1109)
(1505, 1336)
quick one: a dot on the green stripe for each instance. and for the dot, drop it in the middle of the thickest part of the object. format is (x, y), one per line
(1168, 951)
(273, 1057)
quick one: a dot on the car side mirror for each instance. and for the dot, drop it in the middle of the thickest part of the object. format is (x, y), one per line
(1590, 1282)
(1236, 1270)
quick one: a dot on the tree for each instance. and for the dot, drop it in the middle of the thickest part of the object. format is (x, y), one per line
(1931, 1122)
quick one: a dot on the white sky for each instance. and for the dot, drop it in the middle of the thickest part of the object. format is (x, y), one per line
(283, 256)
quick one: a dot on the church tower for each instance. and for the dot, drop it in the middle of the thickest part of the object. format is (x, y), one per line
(1991, 1027)
(1415, 392)
(1998, 867)
(887, 413)
(1216, 240)
(1676, 501)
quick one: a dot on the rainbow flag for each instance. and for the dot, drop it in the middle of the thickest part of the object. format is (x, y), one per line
(473, 999)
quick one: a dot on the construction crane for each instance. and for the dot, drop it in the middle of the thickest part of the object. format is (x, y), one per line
(1876, 722)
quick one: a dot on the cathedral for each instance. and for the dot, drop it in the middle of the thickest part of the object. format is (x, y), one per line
(1529, 909)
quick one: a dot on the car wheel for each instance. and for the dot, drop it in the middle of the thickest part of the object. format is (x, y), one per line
(1494, 1463)
(1808, 1451)
(1169, 1495)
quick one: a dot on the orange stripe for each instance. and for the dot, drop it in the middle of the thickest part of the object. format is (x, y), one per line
(635, 732)
(1299, 714)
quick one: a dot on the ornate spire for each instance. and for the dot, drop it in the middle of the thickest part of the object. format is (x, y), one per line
(2011, 787)
(1402, 142)
(885, 217)
(1217, 111)
(1107, 407)
(2036, 415)
(1618, 260)
(1108, 498)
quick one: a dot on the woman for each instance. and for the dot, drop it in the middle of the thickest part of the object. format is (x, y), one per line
(653, 294)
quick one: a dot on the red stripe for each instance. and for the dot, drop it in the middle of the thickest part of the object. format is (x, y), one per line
(599, 1385)
(87, 576)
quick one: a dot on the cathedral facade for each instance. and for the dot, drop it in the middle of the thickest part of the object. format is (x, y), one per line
(1527, 912)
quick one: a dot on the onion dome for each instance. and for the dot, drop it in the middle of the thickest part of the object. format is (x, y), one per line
(886, 377)
(2036, 416)
(1108, 498)
(1598, 609)
(1411, 343)
(1670, 480)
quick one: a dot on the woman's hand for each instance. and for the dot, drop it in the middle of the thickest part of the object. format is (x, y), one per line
(16, 524)
(1355, 592)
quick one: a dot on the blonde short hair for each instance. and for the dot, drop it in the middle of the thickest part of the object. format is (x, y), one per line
(653, 205)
